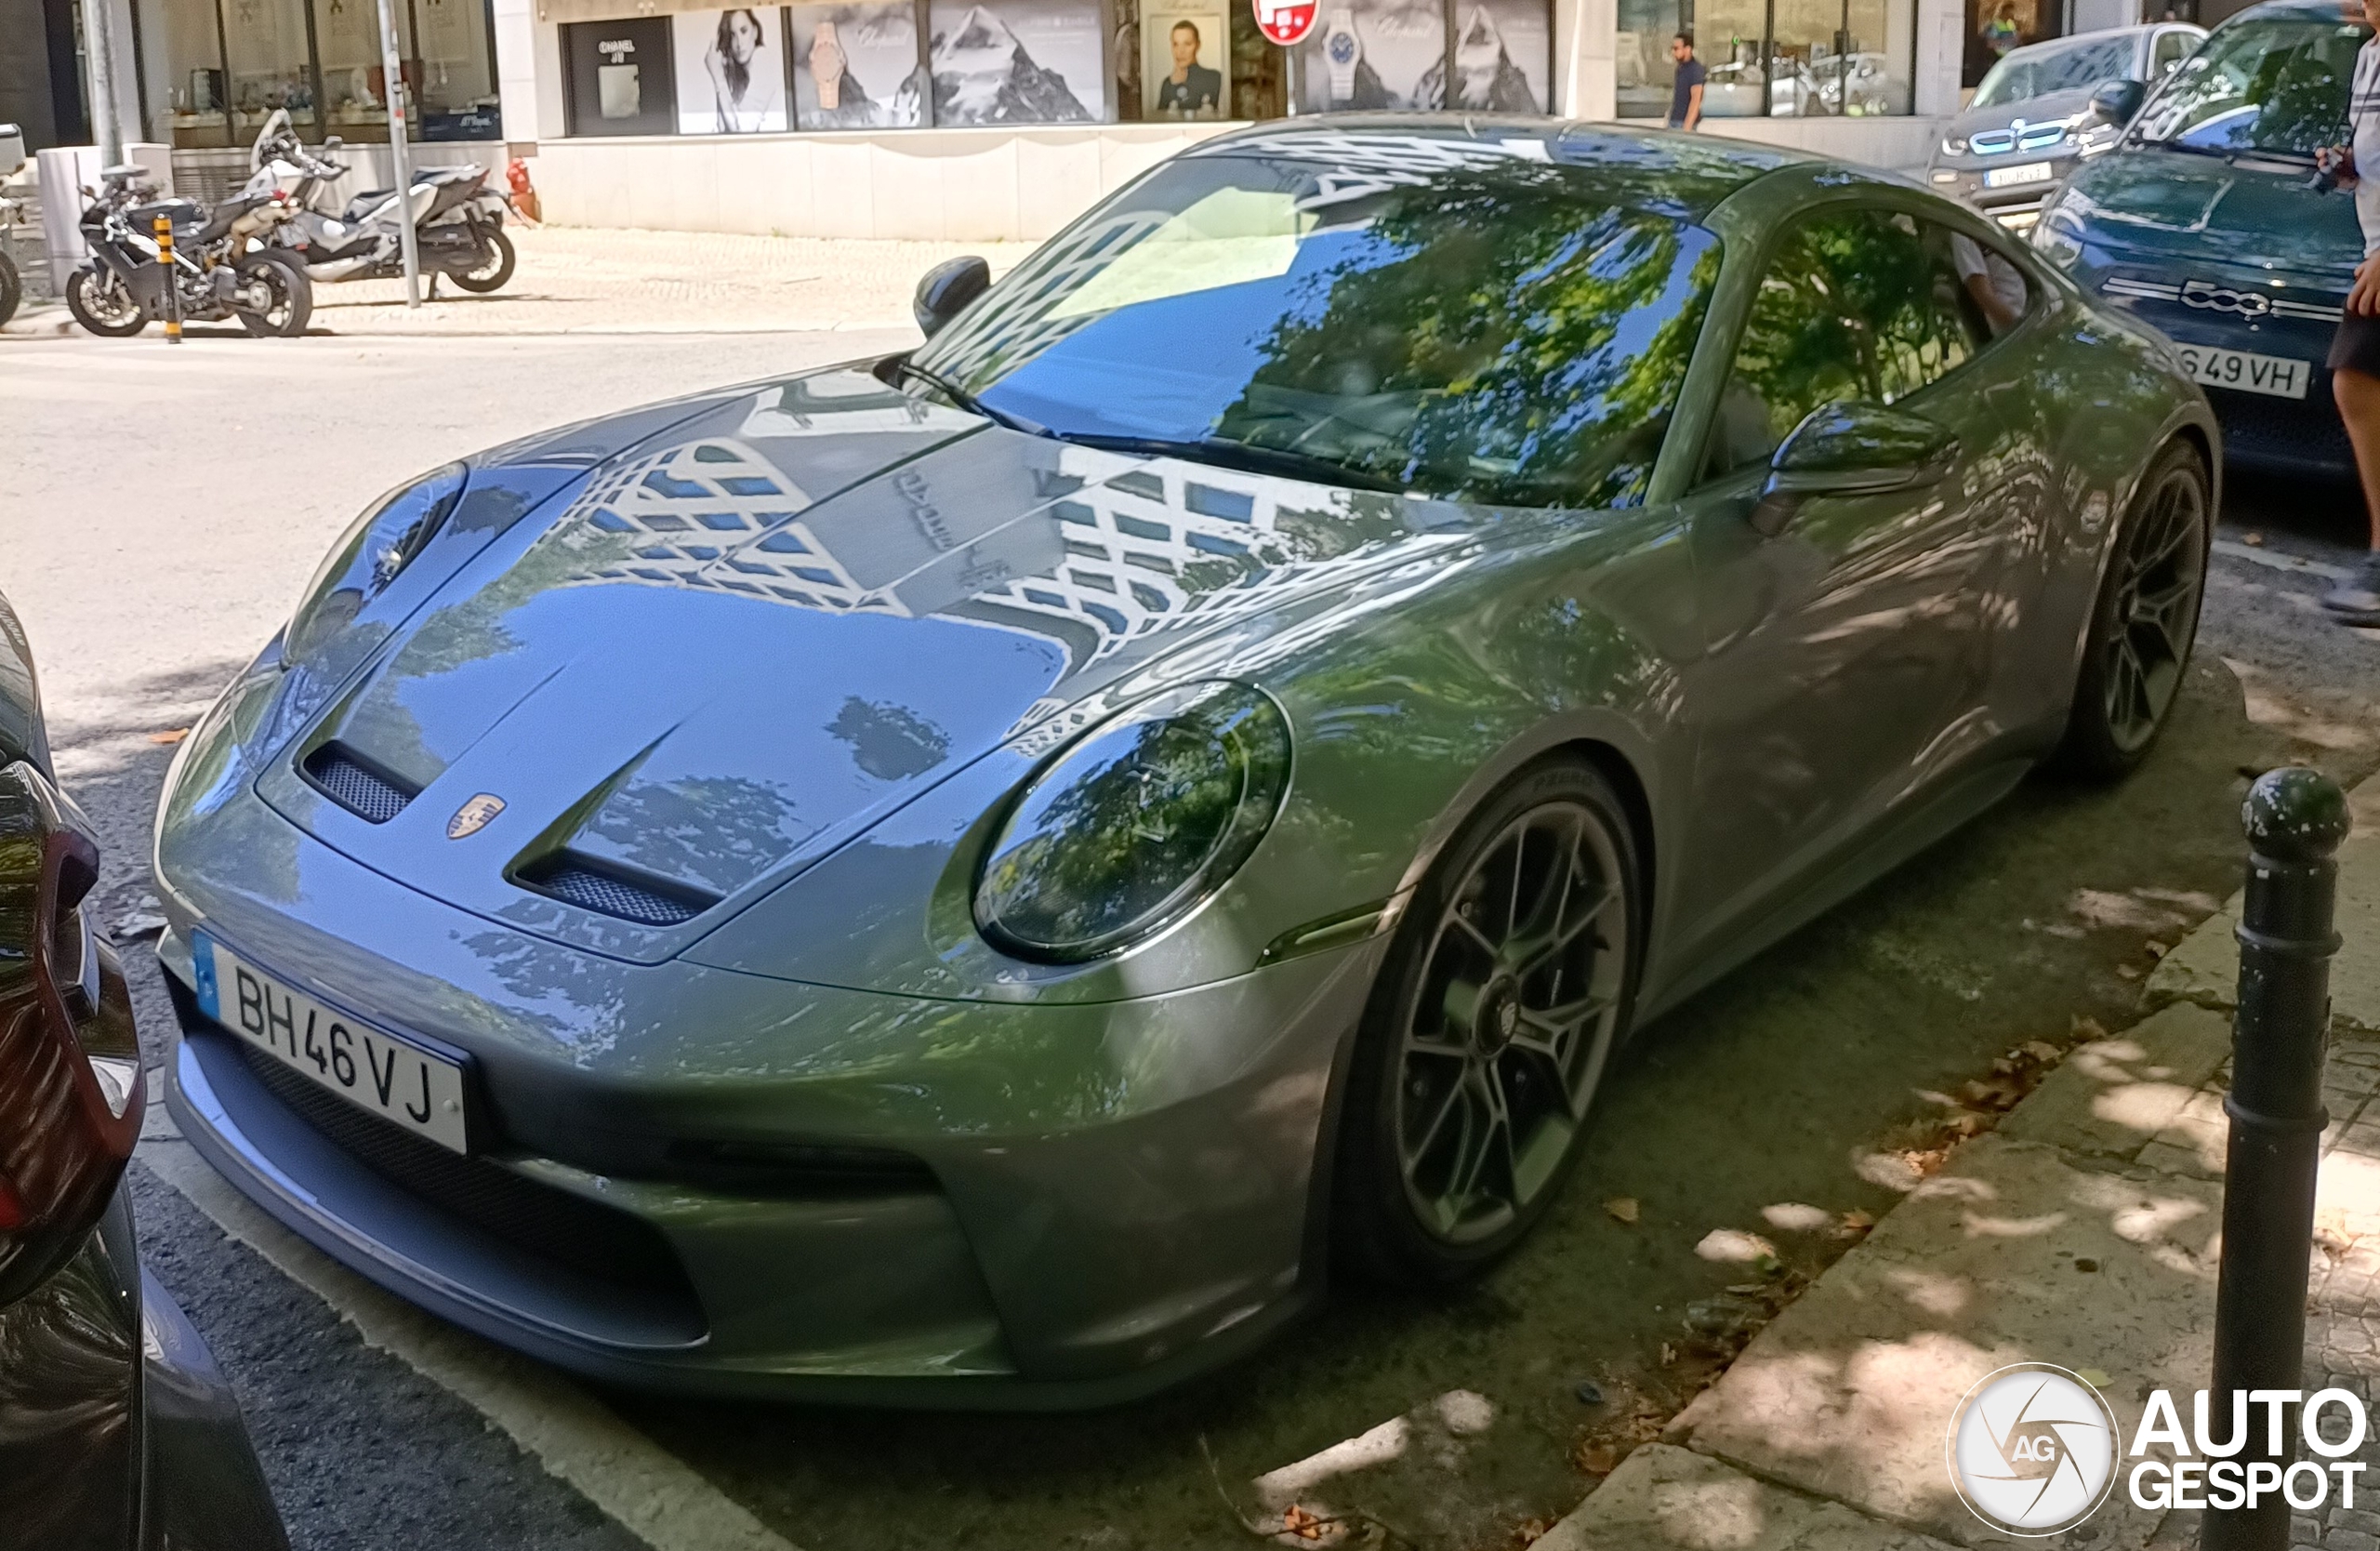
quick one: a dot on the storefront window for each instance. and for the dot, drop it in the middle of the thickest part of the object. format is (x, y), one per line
(1779, 58)
(233, 62)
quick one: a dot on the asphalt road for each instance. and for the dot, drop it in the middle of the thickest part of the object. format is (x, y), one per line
(168, 504)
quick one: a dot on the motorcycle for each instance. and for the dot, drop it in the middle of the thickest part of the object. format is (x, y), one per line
(222, 267)
(12, 284)
(458, 220)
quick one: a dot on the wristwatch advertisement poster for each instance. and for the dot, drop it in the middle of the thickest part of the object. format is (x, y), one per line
(856, 67)
(1377, 54)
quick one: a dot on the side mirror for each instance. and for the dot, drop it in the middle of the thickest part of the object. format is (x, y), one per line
(947, 289)
(334, 143)
(12, 148)
(1851, 449)
(2117, 103)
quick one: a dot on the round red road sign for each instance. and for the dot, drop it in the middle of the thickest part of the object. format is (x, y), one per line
(1286, 22)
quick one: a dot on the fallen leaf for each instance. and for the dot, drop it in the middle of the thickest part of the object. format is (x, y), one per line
(2088, 1029)
(170, 735)
(1669, 1354)
(2094, 1377)
(1623, 1208)
(1857, 1221)
(2157, 950)
(2258, 539)
(1528, 1531)
(2128, 972)
(2042, 1051)
(1599, 1459)
(1296, 1522)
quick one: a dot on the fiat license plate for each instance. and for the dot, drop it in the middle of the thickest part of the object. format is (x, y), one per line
(2247, 372)
(2009, 178)
(374, 1070)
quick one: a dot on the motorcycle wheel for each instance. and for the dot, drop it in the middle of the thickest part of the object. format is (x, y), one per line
(101, 303)
(289, 295)
(12, 286)
(492, 270)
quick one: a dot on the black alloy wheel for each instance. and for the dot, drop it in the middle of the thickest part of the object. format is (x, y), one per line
(493, 266)
(12, 284)
(1495, 1018)
(2144, 621)
(103, 304)
(275, 295)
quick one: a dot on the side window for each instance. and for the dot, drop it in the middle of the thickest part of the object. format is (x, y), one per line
(1858, 304)
(1996, 291)
(2172, 47)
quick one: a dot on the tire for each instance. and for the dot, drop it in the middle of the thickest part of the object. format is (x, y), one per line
(1454, 1054)
(289, 288)
(12, 284)
(103, 305)
(2143, 623)
(489, 275)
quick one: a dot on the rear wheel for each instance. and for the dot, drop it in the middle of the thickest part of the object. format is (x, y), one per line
(2144, 623)
(275, 295)
(103, 303)
(12, 286)
(1487, 1035)
(495, 266)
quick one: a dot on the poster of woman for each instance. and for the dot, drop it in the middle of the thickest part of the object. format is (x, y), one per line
(855, 66)
(1185, 72)
(731, 71)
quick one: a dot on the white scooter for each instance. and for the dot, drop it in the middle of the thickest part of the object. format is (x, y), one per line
(457, 219)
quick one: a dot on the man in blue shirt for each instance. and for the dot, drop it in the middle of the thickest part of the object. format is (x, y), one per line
(1686, 97)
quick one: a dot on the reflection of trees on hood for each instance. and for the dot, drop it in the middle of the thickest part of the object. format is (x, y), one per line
(1493, 334)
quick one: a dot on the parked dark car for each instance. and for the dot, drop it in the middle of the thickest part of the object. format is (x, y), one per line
(2027, 123)
(2206, 222)
(116, 1431)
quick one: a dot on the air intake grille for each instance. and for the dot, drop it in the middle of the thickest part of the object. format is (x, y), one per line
(593, 1241)
(609, 892)
(370, 794)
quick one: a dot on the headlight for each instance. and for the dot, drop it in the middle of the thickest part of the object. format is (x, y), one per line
(1953, 146)
(383, 541)
(1143, 817)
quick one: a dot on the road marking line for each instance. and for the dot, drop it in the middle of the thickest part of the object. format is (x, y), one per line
(651, 1492)
(2280, 561)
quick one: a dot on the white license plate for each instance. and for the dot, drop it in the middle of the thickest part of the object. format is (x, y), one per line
(2008, 178)
(2248, 372)
(385, 1076)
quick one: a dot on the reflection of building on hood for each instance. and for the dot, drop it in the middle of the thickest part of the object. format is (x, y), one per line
(1485, 76)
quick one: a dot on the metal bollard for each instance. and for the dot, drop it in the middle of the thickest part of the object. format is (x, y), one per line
(2296, 819)
(164, 230)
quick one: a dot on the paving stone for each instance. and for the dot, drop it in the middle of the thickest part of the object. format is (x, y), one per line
(1669, 1499)
(1849, 1393)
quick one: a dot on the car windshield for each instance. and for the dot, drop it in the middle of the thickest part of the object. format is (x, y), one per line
(2278, 87)
(1428, 314)
(2025, 75)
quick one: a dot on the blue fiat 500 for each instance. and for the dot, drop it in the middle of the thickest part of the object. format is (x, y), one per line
(2206, 220)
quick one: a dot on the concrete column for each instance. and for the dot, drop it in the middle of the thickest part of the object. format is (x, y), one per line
(1942, 44)
(517, 84)
(1585, 69)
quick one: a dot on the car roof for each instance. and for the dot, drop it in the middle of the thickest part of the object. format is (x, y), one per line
(1668, 171)
(2054, 46)
(2289, 10)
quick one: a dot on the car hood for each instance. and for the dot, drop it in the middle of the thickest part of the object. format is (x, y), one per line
(2054, 107)
(738, 642)
(2145, 205)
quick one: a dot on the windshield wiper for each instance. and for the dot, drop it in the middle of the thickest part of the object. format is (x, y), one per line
(967, 400)
(1245, 457)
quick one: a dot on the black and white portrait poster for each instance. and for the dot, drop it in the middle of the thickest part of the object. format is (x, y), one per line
(1018, 61)
(1376, 54)
(1185, 70)
(731, 71)
(856, 67)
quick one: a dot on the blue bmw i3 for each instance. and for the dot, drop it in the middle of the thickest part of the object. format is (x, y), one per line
(2207, 221)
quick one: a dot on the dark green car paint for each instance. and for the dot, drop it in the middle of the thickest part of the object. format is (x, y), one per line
(1124, 1161)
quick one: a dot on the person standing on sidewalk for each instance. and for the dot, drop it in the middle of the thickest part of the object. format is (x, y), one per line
(2354, 350)
(1686, 97)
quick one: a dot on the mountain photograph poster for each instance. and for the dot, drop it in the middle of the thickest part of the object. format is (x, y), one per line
(1018, 61)
(855, 66)
(730, 71)
(1503, 57)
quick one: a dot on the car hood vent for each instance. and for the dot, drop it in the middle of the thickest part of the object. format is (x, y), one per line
(362, 788)
(609, 889)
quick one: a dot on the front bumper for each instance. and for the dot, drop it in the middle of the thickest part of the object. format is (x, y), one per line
(2018, 205)
(1112, 1196)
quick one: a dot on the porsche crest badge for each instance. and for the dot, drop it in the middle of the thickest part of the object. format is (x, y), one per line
(473, 815)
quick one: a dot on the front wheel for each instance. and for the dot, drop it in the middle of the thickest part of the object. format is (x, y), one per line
(103, 303)
(1506, 990)
(275, 298)
(12, 286)
(2144, 622)
(494, 268)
